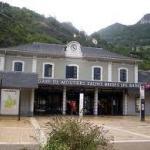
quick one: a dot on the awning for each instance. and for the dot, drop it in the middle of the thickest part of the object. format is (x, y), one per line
(18, 80)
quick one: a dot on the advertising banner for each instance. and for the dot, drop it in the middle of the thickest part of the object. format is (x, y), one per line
(10, 101)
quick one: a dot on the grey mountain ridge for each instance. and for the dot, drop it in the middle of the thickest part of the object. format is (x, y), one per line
(119, 33)
(145, 19)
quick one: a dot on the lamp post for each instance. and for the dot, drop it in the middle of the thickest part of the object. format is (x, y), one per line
(1, 80)
(19, 112)
(1, 84)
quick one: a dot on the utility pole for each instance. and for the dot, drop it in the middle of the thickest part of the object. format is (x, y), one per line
(19, 113)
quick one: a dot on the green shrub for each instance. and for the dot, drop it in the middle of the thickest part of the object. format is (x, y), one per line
(75, 134)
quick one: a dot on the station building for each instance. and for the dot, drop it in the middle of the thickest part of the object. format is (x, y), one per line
(49, 76)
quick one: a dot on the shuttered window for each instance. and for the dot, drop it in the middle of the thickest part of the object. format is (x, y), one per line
(97, 73)
(48, 70)
(71, 72)
(123, 75)
(18, 66)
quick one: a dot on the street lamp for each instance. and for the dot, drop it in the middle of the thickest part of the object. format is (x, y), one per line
(1, 84)
(1, 80)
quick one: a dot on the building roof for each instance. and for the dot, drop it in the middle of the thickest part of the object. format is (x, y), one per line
(144, 76)
(58, 50)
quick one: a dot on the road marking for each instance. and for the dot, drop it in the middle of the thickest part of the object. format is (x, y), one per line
(17, 143)
(130, 141)
(16, 128)
(127, 131)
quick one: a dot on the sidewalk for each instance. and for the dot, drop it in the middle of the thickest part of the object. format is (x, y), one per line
(17, 134)
(129, 132)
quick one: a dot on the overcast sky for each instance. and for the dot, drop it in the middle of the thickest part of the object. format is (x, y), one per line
(89, 15)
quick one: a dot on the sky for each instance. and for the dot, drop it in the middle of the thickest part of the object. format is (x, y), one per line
(88, 15)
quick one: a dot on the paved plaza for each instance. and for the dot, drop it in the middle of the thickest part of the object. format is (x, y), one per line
(15, 134)
(129, 132)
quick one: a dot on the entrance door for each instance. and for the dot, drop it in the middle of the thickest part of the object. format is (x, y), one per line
(48, 102)
(110, 103)
(88, 103)
(72, 102)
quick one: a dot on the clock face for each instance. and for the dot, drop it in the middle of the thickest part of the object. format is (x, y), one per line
(74, 47)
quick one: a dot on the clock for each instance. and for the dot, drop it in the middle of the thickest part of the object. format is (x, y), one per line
(73, 47)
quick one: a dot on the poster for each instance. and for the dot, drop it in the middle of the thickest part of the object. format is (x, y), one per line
(10, 101)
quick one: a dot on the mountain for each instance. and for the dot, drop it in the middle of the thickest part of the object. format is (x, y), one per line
(19, 26)
(112, 31)
(132, 40)
(138, 34)
(145, 19)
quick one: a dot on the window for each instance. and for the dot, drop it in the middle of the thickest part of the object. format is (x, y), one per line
(18, 66)
(96, 73)
(48, 70)
(72, 72)
(123, 75)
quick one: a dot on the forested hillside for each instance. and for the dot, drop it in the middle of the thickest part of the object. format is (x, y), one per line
(133, 40)
(19, 26)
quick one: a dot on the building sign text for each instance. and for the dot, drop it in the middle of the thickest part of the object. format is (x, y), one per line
(87, 83)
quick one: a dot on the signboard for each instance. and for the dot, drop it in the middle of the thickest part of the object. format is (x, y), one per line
(87, 83)
(147, 86)
(81, 104)
(137, 104)
(10, 101)
(142, 92)
(142, 112)
(142, 97)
